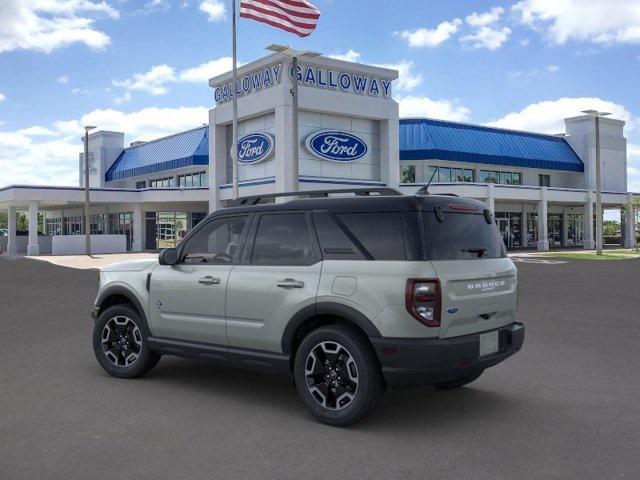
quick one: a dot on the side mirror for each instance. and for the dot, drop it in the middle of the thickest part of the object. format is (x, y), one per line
(168, 256)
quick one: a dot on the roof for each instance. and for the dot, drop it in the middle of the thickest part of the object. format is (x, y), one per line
(183, 149)
(428, 139)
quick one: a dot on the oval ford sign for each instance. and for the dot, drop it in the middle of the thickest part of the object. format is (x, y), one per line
(336, 146)
(255, 147)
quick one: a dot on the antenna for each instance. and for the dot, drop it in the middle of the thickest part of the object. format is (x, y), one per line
(425, 190)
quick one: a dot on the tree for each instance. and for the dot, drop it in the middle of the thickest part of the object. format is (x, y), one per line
(3, 220)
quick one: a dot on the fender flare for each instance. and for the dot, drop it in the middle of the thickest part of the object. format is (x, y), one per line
(125, 292)
(326, 308)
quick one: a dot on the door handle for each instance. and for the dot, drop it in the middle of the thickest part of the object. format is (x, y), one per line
(209, 280)
(290, 283)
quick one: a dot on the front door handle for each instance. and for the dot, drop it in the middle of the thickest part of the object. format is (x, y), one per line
(290, 283)
(209, 280)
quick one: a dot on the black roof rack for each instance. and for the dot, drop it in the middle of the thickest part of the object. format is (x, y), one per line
(255, 199)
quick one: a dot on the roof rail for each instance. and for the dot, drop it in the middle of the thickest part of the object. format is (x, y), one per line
(255, 199)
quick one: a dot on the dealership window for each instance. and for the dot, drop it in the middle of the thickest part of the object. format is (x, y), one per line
(408, 174)
(53, 226)
(544, 180)
(504, 178)
(447, 174)
(162, 182)
(122, 224)
(141, 184)
(190, 180)
(73, 225)
(98, 224)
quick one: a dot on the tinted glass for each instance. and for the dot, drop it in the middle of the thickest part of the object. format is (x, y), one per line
(462, 236)
(380, 233)
(217, 242)
(283, 240)
(334, 242)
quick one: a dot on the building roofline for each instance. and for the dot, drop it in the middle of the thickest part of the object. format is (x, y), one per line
(147, 142)
(476, 126)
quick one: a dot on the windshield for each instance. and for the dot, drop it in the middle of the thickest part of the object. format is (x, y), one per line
(462, 236)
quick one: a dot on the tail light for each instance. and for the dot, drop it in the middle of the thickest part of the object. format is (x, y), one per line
(422, 298)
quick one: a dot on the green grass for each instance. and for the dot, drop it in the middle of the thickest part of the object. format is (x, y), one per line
(617, 254)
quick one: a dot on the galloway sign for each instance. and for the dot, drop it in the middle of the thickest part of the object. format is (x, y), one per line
(254, 148)
(328, 78)
(248, 84)
(336, 146)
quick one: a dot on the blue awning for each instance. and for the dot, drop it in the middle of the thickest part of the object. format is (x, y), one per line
(427, 139)
(183, 149)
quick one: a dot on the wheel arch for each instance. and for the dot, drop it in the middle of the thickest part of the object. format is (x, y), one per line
(118, 295)
(323, 313)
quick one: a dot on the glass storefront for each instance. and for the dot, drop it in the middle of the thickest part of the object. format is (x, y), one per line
(554, 229)
(167, 229)
(510, 227)
(575, 229)
(122, 224)
(532, 230)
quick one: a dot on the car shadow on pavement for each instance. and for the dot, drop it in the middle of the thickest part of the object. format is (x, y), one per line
(399, 410)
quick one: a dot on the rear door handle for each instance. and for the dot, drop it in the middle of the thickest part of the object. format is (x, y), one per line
(209, 280)
(290, 283)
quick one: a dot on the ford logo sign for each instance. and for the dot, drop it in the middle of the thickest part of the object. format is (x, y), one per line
(336, 146)
(255, 148)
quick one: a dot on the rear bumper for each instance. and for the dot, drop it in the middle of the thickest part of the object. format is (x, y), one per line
(413, 362)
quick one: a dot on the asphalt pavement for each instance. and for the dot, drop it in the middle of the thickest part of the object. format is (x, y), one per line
(566, 406)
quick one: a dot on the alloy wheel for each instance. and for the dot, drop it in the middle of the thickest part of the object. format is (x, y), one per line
(121, 341)
(332, 375)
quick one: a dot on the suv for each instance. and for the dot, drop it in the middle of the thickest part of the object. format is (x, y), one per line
(347, 294)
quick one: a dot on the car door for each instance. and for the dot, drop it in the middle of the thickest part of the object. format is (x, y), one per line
(188, 300)
(278, 276)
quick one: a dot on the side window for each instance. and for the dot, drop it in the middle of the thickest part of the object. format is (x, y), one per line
(283, 239)
(217, 242)
(380, 233)
(334, 242)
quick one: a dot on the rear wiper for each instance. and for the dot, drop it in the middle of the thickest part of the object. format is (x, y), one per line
(479, 251)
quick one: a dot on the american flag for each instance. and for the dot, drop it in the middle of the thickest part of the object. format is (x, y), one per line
(294, 16)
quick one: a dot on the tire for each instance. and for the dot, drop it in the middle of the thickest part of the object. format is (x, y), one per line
(120, 343)
(459, 382)
(346, 389)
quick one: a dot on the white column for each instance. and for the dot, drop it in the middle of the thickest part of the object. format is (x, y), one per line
(390, 150)
(629, 224)
(12, 245)
(218, 150)
(283, 154)
(589, 242)
(565, 226)
(490, 200)
(136, 244)
(33, 248)
(543, 238)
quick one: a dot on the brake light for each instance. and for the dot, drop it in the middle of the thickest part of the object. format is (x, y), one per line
(462, 207)
(422, 299)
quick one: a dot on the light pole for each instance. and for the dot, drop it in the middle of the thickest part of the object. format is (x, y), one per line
(87, 216)
(596, 114)
(295, 144)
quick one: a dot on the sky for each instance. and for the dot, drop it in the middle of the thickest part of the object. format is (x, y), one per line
(142, 66)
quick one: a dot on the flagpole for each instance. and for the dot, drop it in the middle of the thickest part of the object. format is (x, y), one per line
(234, 146)
(294, 125)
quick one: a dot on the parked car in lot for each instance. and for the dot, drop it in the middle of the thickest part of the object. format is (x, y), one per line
(347, 294)
(4, 232)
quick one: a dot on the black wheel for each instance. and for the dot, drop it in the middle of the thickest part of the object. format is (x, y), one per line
(459, 382)
(120, 343)
(337, 375)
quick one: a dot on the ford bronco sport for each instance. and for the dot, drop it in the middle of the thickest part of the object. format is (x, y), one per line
(347, 294)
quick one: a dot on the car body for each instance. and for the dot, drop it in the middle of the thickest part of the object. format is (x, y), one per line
(399, 291)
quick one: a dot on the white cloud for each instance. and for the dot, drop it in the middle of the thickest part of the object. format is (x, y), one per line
(595, 21)
(548, 116)
(424, 37)
(552, 68)
(214, 9)
(486, 18)
(487, 37)
(526, 75)
(63, 79)
(2, 96)
(203, 72)
(154, 81)
(349, 56)
(420, 106)
(525, 42)
(48, 155)
(45, 25)
(407, 78)
(120, 99)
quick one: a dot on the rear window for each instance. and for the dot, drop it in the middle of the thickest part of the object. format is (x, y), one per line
(462, 236)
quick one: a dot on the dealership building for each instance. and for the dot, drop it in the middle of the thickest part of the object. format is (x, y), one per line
(147, 195)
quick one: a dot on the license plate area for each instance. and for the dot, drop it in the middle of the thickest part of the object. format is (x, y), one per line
(489, 343)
